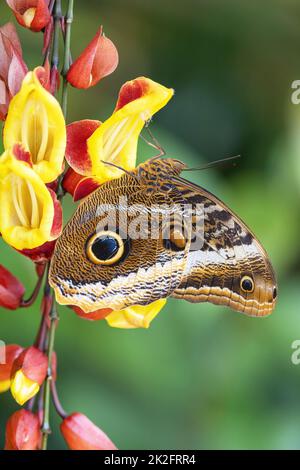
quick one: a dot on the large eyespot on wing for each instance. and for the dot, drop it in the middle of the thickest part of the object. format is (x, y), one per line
(107, 248)
(91, 272)
(232, 268)
(150, 271)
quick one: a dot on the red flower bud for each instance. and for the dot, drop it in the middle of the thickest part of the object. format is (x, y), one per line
(7, 356)
(32, 14)
(22, 431)
(71, 180)
(81, 434)
(11, 290)
(12, 67)
(96, 315)
(99, 59)
(29, 371)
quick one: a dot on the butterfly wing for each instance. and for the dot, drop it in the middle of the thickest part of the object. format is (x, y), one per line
(147, 273)
(231, 258)
(215, 262)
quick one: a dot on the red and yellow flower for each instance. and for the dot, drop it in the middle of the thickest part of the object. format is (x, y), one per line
(30, 215)
(35, 120)
(34, 139)
(90, 144)
(32, 14)
(28, 372)
(7, 354)
(12, 66)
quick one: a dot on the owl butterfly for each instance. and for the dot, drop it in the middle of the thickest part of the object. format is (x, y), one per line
(98, 263)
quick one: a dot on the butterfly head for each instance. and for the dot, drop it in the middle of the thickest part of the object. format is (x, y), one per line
(155, 174)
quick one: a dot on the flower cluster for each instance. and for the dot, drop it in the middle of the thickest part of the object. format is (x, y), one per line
(34, 139)
(44, 158)
(23, 372)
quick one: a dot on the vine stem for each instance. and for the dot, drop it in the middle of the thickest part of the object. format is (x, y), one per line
(56, 401)
(28, 302)
(46, 430)
(67, 55)
(47, 51)
(57, 16)
(49, 387)
(42, 331)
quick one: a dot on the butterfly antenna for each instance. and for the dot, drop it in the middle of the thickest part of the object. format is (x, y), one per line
(153, 142)
(214, 164)
(117, 166)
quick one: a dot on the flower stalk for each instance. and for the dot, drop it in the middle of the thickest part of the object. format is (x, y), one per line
(56, 402)
(57, 19)
(30, 301)
(49, 388)
(67, 55)
(46, 430)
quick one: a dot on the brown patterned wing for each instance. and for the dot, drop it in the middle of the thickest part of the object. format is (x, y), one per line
(147, 271)
(232, 268)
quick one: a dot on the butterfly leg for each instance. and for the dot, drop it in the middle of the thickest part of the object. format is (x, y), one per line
(154, 143)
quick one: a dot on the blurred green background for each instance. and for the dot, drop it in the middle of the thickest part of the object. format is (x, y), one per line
(202, 376)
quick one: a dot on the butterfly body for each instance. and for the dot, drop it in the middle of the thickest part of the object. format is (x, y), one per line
(102, 261)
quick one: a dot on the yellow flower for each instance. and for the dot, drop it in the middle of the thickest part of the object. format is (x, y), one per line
(91, 143)
(138, 316)
(29, 371)
(4, 385)
(35, 119)
(22, 388)
(27, 208)
(115, 141)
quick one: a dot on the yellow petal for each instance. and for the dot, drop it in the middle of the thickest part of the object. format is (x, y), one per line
(36, 120)
(26, 206)
(22, 388)
(115, 141)
(4, 385)
(28, 16)
(138, 316)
